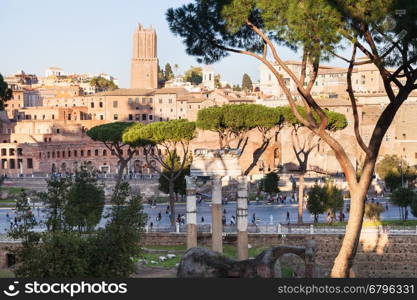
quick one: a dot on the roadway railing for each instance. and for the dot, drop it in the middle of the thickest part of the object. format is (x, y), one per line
(288, 229)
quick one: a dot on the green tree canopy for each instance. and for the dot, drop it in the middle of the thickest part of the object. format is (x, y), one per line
(269, 183)
(335, 121)
(246, 83)
(403, 197)
(316, 203)
(5, 92)
(119, 242)
(168, 74)
(326, 198)
(64, 252)
(194, 75)
(85, 202)
(179, 184)
(395, 171)
(171, 137)
(111, 135)
(102, 84)
(390, 163)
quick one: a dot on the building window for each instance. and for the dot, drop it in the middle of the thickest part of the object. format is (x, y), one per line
(130, 101)
(150, 100)
(137, 117)
(92, 104)
(12, 164)
(137, 101)
(130, 117)
(69, 153)
(160, 101)
(96, 152)
(88, 152)
(144, 117)
(115, 117)
(143, 100)
(101, 117)
(115, 104)
(170, 101)
(75, 153)
(57, 130)
(101, 104)
(104, 152)
(150, 118)
(30, 163)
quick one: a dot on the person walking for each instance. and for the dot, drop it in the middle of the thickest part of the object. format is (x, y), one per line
(288, 216)
(232, 220)
(202, 219)
(253, 219)
(224, 220)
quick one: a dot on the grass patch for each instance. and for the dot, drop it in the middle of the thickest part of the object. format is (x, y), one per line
(12, 190)
(167, 248)
(287, 272)
(400, 222)
(169, 263)
(6, 274)
(228, 250)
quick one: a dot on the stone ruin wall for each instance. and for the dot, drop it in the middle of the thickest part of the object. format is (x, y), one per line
(378, 255)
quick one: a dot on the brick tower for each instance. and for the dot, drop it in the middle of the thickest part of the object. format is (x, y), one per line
(144, 68)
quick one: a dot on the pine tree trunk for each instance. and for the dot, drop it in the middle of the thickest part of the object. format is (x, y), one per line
(122, 167)
(344, 260)
(300, 197)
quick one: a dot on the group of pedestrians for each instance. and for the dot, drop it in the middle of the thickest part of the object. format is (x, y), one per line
(224, 219)
(14, 222)
(278, 199)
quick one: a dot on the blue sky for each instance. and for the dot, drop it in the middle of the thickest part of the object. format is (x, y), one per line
(94, 36)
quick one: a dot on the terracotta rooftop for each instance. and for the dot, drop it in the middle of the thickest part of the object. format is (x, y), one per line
(128, 92)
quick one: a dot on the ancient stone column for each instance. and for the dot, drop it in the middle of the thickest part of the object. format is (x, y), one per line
(216, 218)
(191, 212)
(242, 218)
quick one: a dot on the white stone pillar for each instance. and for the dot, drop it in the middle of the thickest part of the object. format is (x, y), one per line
(191, 212)
(216, 215)
(242, 218)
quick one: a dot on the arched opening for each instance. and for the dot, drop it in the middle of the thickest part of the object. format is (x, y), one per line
(289, 265)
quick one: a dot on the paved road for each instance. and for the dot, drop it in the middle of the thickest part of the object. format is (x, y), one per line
(262, 211)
